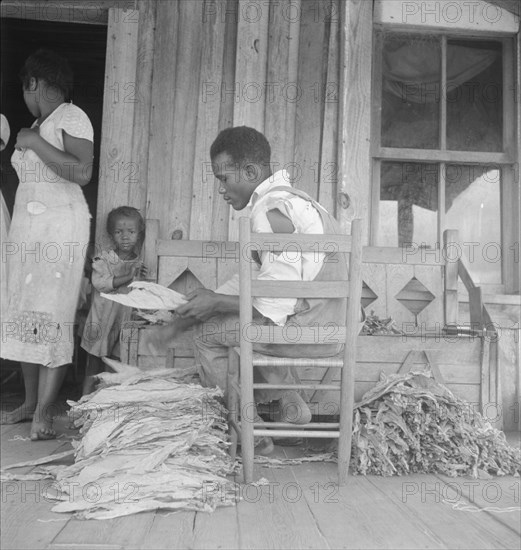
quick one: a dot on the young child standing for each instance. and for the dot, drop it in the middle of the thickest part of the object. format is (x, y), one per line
(112, 271)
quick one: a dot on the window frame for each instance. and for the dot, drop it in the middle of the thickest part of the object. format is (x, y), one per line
(506, 161)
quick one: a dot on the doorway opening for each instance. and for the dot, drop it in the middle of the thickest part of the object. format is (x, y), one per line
(84, 45)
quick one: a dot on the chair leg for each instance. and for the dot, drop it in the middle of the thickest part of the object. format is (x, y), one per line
(344, 455)
(233, 447)
(347, 396)
(247, 447)
(232, 399)
(247, 415)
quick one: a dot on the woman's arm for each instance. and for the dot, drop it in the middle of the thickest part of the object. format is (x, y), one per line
(74, 164)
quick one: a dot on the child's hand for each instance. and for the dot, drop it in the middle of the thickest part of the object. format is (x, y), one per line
(26, 138)
(141, 271)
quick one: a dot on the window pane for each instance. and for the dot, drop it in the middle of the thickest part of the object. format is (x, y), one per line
(474, 96)
(408, 204)
(411, 86)
(473, 207)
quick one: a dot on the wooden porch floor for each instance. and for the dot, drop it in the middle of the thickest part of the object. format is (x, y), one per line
(301, 508)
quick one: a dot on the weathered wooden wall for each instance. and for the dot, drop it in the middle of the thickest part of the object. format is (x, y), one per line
(218, 63)
(181, 71)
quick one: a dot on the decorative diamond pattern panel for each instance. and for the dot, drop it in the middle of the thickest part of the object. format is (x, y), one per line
(368, 296)
(186, 282)
(415, 296)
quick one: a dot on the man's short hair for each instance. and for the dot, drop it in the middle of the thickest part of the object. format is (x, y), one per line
(242, 143)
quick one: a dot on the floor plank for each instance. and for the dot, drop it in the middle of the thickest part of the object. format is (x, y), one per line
(173, 530)
(217, 529)
(17, 446)
(275, 515)
(126, 532)
(26, 518)
(6, 429)
(498, 497)
(419, 499)
(357, 516)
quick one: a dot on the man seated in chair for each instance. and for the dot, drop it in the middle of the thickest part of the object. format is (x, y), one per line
(240, 159)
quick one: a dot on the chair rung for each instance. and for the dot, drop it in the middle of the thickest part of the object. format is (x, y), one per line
(261, 360)
(268, 361)
(297, 433)
(310, 426)
(320, 387)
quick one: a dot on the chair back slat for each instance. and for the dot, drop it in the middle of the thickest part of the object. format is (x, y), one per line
(282, 242)
(294, 334)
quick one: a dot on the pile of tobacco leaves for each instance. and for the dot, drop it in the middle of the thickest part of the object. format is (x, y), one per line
(148, 441)
(410, 423)
(374, 326)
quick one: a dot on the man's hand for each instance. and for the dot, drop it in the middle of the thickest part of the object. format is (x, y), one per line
(202, 304)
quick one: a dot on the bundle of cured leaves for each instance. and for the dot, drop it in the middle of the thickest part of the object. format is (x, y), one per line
(410, 423)
(375, 326)
(147, 442)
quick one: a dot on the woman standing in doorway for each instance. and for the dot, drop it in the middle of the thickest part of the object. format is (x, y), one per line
(47, 239)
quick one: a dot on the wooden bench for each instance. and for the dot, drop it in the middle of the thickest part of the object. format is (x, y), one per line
(417, 287)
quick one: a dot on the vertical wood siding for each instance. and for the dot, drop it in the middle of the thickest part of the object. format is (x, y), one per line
(118, 168)
(219, 63)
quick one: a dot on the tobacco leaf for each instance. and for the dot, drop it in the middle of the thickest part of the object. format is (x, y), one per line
(412, 424)
(147, 442)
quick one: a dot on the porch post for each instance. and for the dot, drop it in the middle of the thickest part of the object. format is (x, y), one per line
(356, 39)
(117, 168)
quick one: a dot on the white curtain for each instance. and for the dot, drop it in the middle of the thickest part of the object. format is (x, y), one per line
(413, 71)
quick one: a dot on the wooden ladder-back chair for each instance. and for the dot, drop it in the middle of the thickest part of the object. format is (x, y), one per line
(242, 360)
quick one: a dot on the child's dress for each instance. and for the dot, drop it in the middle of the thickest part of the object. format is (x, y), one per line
(106, 318)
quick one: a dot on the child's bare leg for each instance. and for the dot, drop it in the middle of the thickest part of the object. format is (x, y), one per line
(25, 411)
(94, 366)
(50, 382)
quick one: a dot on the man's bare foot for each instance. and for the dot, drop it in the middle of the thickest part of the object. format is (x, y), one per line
(42, 431)
(23, 413)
